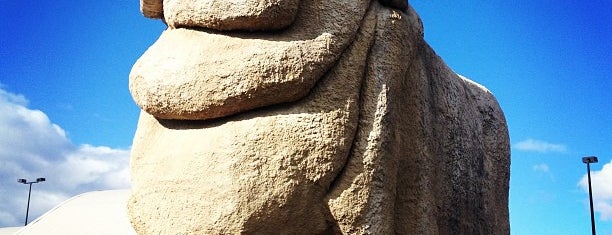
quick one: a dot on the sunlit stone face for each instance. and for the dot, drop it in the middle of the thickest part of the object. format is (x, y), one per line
(235, 136)
(310, 117)
(196, 74)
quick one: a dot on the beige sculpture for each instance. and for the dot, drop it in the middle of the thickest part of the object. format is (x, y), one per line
(310, 117)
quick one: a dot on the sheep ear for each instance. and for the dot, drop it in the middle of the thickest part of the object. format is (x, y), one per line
(397, 4)
(152, 8)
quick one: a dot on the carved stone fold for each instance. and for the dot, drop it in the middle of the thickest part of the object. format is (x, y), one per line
(345, 122)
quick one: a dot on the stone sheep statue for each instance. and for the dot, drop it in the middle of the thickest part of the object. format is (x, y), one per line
(310, 117)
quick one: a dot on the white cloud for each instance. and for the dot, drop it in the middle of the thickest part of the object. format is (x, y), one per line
(601, 183)
(541, 168)
(31, 146)
(532, 145)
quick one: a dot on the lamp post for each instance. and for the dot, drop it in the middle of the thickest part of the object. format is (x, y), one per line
(24, 181)
(588, 161)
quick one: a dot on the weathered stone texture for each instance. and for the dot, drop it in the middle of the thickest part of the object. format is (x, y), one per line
(372, 134)
(152, 8)
(231, 15)
(201, 75)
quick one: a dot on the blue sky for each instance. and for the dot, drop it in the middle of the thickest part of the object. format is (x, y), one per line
(66, 112)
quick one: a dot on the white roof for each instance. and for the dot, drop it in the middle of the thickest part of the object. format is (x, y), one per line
(98, 212)
(9, 230)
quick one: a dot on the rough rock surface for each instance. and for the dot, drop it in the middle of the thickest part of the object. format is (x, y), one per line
(248, 15)
(372, 134)
(152, 8)
(202, 75)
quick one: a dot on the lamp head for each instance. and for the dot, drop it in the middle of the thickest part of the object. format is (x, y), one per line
(23, 181)
(40, 180)
(591, 159)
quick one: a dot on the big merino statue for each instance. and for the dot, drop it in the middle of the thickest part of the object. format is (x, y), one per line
(310, 117)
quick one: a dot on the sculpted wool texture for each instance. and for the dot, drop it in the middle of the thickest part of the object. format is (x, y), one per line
(310, 117)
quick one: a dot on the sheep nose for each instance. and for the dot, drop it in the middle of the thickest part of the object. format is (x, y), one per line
(248, 15)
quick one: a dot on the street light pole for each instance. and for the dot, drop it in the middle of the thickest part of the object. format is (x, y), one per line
(24, 181)
(28, 207)
(588, 161)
